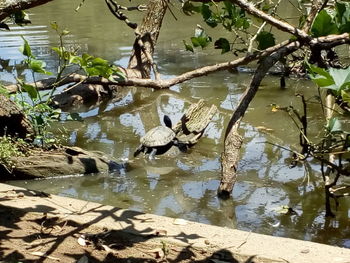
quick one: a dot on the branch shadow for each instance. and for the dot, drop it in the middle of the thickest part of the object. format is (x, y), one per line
(49, 231)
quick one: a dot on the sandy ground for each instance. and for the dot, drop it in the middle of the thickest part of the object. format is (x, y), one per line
(36, 227)
(37, 237)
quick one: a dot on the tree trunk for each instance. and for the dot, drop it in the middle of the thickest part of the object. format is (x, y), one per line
(149, 32)
(229, 161)
(233, 140)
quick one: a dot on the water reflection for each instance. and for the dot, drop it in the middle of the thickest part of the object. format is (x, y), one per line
(177, 184)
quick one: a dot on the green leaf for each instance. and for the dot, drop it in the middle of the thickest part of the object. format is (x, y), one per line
(342, 16)
(118, 75)
(336, 79)
(4, 91)
(223, 44)
(38, 66)
(229, 8)
(320, 76)
(65, 32)
(334, 125)
(265, 40)
(43, 107)
(31, 90)
(200, 41)
(189, 9)
(212, 22)
(54, 25)
(266, 7)
(205, 11)
(39, 120)
(56, 114)
(25, 49)
(345, 96)
(323, 25)
(188, 47)
(58, 50)
(94, 66)
(208, 16)
(74, 59)
(341, 77)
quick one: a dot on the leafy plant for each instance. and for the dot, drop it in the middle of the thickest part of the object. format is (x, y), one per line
(10, 148)
(332, 21)
(337, 81)
(265, 40)
(228, 15)
(37, 106)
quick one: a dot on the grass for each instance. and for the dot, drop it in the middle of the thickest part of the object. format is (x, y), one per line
(10, 148)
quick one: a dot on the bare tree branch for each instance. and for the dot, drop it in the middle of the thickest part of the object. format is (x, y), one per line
(315, 8)
(8, 7)
(322, 42)
(283, 26)
(159, 84)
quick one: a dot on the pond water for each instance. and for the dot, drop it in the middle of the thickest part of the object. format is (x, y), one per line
(182, 185)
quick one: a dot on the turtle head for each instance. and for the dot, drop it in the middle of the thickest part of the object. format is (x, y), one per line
(167, 121)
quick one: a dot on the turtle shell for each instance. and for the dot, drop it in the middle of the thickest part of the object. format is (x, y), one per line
(158, 136)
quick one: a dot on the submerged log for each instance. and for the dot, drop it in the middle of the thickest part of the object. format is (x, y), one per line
(58, 162)
(88, 95)
(13, 121)
(190, 128)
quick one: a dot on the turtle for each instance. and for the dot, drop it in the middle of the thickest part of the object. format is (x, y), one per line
(159, 140)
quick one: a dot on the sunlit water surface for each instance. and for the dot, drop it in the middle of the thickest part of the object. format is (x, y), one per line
(176, 184)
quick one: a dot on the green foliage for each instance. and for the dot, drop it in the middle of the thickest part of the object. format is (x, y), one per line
(37, 66)
(334, 126)
(200, 39)
(9, 148)
(25, 49)
(4, 91)
(265, 40)
(335, 80)
(189, 9)
(188, 47)
(228, 15)
(223, 44)
(39, 112)
(324, 25)
(332, 21)
(94, 66)
(36, 106)
(342, 16)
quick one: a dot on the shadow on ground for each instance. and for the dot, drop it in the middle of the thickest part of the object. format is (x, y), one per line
(37, 234)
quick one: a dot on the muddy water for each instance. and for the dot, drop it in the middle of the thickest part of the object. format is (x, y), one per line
(177, 184)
